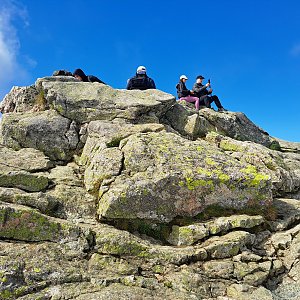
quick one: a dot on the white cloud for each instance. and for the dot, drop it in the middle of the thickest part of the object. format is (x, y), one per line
(10, 69)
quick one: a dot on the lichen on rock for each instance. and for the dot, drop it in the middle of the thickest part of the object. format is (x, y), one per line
(120, 194)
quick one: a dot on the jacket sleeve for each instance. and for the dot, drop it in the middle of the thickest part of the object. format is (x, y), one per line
(181, 91)
(129, 85)
(178, 88)
(92, 78)
(151, 84)
(185, 91)
(197, 89)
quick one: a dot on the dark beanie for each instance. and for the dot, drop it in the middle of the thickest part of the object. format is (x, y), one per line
(80, 73)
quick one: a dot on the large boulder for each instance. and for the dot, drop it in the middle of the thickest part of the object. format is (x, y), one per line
(159, 176)
(22, 169)
(20, 99)
(46, 131)
(26, 159)
(26, 224)
(85, 101)
(232, 124)
(39, 200)
(283, 168)
(287, 146)
(29, 98)
(190, 234)
(101, 157)
(74, 203)
(187, 121)
(237, 126)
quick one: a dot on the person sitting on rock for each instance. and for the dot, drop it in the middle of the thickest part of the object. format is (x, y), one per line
(140, 81)
(185, 94)
(80, 75)
(203, 93)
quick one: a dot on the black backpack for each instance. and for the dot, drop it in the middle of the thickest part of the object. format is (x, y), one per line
(139, 83)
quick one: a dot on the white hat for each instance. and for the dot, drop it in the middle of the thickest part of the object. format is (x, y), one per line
(141, 70)
(183, 77)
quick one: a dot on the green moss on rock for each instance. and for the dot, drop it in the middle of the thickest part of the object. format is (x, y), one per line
(24, 180)
(27, 225)
(275, 146)
(12, 294)
(115, 142)
(158, 231)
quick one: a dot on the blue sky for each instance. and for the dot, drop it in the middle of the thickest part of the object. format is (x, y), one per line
(249, 49)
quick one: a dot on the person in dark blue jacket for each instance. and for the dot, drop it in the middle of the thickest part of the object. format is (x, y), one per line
(80, 75)
(140, 81)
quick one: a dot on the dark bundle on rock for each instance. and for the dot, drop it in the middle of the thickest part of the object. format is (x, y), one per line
(62, 73)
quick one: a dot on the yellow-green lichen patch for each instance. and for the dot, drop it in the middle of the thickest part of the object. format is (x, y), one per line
(228, 145)
(224, 178)
(192, 184)
(210, 161)
(145, 192)
(205, 172)
(111, 264)
(59, 108)
(250, 169)
(158, 269)
(258, 179)
(255, 179)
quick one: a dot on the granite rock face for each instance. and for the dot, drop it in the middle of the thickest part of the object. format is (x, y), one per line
(115, 194)
(47, 131)
(234, 125)
(172, 177)
(83, 102)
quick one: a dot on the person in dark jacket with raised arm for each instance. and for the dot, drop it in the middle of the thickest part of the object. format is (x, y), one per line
(186, 94)
(203, 94)
(140, 81)
(80, 75)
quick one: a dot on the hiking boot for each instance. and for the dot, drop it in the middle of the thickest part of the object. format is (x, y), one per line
(222, 109)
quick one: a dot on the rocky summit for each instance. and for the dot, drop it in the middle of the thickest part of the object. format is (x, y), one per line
(117, 194)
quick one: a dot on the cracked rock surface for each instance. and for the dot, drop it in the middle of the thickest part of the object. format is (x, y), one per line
(115, 194)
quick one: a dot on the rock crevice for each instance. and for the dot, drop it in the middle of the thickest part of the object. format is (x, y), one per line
(130, 195)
